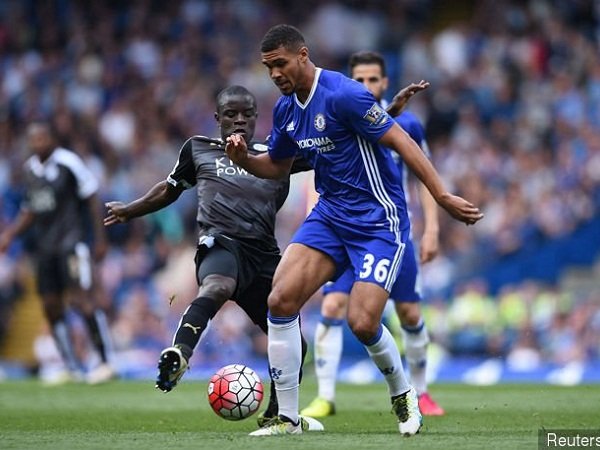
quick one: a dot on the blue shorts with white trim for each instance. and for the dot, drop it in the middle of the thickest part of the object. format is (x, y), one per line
(406, 288)
(373, 253)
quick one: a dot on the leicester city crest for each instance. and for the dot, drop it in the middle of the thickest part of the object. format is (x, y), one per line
(320, 122)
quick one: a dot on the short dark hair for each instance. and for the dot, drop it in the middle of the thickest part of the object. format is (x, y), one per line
(234, 90)
(282, 35)
(367, 57)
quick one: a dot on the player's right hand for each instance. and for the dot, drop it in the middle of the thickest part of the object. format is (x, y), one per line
(237, 149)
(461, 209)
(117, 213)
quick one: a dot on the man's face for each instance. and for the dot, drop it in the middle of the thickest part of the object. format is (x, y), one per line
(237, 114)
(285, 67)
(370, 75)
(39, 140)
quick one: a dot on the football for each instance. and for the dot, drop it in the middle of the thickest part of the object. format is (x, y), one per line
(235, 392)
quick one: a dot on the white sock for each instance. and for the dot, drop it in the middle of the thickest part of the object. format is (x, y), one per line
(285, 356)
(328, 351)
(415, 349)
(384, 353)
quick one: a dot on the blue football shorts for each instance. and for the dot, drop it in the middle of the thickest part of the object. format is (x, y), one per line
(371, 252)
(406, 289)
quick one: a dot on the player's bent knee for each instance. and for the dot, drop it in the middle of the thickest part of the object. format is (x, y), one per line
(364, 330)
(334, 306)
(409, 314)
(281, 305)
(217, 287)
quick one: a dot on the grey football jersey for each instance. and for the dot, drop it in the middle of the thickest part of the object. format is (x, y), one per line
(231, 201)
(55, 193)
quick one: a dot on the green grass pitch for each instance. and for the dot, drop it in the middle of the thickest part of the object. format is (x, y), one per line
(133, 415)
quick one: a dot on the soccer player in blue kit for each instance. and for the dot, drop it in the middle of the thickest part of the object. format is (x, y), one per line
(369, 68)
(360, 219)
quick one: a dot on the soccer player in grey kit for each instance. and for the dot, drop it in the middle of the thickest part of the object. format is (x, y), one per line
(237, 252)
(59, 191)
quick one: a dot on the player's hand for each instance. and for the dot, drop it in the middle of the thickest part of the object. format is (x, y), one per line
(460, 209)
(401, 99)
(429, 247)
(117, 213)
(237, 149)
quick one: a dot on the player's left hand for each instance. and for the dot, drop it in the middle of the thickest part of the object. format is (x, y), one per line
(429, 247)
(237, 149)
(460, 209)
(401, 99)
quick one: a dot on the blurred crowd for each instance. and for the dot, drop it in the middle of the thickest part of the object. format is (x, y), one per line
(512, 119)
(525, 324)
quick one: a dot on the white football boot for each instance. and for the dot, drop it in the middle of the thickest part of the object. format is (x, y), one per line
(406, 408)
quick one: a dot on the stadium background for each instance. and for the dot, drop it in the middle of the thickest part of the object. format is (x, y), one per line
(512, 119)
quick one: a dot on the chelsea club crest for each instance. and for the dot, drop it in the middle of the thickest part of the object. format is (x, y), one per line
(319, 122)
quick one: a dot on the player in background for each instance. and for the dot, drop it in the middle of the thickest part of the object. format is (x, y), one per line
(360, 219)
(60, 190)
(236, 252)
(369, 69)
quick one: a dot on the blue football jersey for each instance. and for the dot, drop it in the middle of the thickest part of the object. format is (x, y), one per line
(336, 130)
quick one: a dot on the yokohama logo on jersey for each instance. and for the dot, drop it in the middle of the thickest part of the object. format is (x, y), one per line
(322, 144)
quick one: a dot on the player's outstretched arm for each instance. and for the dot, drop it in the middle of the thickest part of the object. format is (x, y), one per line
(159, 196)
(459, 208)
(429, 245)
(20, 224)
(261, 165)
(400, 100)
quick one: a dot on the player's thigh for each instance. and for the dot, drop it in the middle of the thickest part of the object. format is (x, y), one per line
(50, 284)
(50, 275)
(253, 301)
(78, 273)
(216, 260)
(322, 244)
(409, 313)
(365, 308)
(301, 272)
(217, 272)
(334, 305)
(336, 294)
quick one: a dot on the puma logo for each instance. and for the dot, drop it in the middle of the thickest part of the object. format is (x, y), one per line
(194, 329)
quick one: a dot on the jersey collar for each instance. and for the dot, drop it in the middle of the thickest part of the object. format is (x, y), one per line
(312, 90)
(38, 167)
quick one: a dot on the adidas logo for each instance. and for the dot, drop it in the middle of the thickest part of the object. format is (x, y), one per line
(290, 126)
